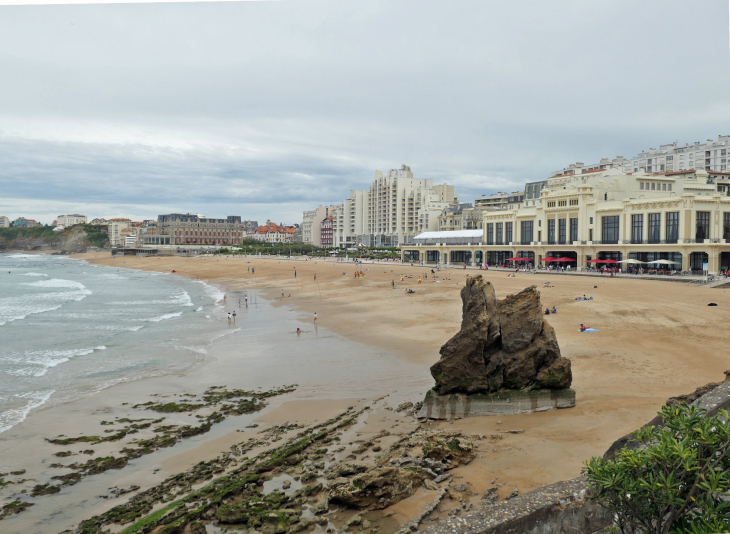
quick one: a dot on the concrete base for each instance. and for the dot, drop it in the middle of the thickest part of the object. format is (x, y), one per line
(459, 405)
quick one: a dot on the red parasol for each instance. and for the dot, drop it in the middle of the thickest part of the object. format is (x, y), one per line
(549, 258)
(565, 259)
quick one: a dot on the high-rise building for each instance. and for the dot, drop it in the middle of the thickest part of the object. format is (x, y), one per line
(4, 221)
(350, 221)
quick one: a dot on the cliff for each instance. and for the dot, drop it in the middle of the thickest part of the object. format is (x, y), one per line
(77, 238)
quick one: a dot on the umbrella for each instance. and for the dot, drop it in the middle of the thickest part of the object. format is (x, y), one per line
(593, 261)
(607, 261)
(665, 262)
(549, 258)
(631, 261)
(565, 259)
(512, 259)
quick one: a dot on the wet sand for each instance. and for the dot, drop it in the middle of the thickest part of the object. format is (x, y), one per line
(656, 340)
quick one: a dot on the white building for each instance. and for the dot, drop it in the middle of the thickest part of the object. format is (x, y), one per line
(4, 221)
(401, 206)
(115, 227)
(69, 219)
(711, 156)
(351, 219)
(311, 224)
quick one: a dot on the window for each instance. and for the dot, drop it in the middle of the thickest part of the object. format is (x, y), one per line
(670, 158)
(669, 187)
(490, 233)
(653, 186)
(573, 229)
(590, 234)
(641, 185)
(591, 220)
(526, 232)
(499, 233)
(637, 228)
(561, 231)
(655, 221)
(609, 229)
(726, 225)
(562, 203)
(551, 232)
(702, 231)
(508, 232)
(551, 204)
(573, 201)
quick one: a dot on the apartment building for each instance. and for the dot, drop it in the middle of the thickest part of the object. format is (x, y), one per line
(114, 230)
(69, 219)
(312, 224)
(326, 232)
(350, 220)
(4, 221)
(22, 222)
(711, 156)
(500, 200)
(401, 206)
(681, 217)
(274, 233)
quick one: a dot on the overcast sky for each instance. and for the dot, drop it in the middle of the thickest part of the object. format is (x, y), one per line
(264, 109)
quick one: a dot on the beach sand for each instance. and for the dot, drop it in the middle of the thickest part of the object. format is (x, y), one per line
(656, 340)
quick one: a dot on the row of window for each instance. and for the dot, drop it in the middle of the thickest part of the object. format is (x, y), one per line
(562, 203)
(645, 186)
(503, 233)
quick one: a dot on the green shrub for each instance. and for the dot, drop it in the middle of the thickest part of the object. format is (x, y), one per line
(675, 481)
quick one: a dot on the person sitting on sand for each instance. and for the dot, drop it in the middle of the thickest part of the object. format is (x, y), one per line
(547, 311)
(554, 310)
(583, 327)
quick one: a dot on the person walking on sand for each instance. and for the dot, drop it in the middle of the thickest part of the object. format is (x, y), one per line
(315, 317)
(229, 317)
(282, 292)
(234, 316)
(245, 298)
(419, 279)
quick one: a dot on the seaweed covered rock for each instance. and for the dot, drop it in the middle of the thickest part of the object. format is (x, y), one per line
(377, 488)
(502, 345)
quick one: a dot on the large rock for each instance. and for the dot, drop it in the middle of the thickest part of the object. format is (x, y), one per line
(376, 488)
(502, 345)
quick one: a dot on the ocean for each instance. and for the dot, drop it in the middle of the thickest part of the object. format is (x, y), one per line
(69, 329)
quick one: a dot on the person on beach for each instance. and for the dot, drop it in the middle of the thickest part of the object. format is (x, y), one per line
(245, 297)
(229, 317)
(315, 317)
(392, 283)
(234, 316)
(282, 292)
(299, 330)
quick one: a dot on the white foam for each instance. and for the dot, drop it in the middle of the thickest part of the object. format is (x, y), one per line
(10, 418)
(163, 317)
(57, 282)
(43, 360)
(19, 307)
(212, 291)
(34, 274)
(183, 299)
(199, 308)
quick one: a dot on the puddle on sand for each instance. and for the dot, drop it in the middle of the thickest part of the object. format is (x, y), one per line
(278, 482)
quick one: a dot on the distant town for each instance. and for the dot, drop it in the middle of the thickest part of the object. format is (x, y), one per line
(669, 204)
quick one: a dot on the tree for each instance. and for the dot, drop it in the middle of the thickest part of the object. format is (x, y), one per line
(674, 481)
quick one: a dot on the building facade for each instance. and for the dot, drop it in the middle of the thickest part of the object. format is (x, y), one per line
(326, 232)
(711, 156)
(274, 233)
(312, 224)
(69, 219)
(350, 221)
(193, 229)
(4, 221)
(22, 222)
(114, 229)
(681, 217)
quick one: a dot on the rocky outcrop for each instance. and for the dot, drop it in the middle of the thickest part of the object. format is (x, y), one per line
(42, 239)
(377, 488)
(502, 345)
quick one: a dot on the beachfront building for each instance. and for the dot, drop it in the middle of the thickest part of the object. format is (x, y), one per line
(4, 221)
(312, 224)
(195, 229)
(401, 206)
(682, 217)
(69, 219)
(326, 232)
(500, 200)
(115, 227)
(98, 221)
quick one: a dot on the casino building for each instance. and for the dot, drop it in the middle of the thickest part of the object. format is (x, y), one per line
(192, 229)
(681, 217)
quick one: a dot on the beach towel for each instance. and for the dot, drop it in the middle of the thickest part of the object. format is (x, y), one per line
(588, 330)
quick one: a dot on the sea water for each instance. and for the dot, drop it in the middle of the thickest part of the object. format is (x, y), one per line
(69, 329)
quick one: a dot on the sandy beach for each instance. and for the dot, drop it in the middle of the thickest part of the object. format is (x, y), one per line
(655, 340)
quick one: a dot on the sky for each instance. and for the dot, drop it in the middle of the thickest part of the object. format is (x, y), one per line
(266, 109)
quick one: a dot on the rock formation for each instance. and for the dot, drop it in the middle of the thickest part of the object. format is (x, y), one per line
(502, 345)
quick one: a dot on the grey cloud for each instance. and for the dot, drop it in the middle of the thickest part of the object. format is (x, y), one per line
(270, 108)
